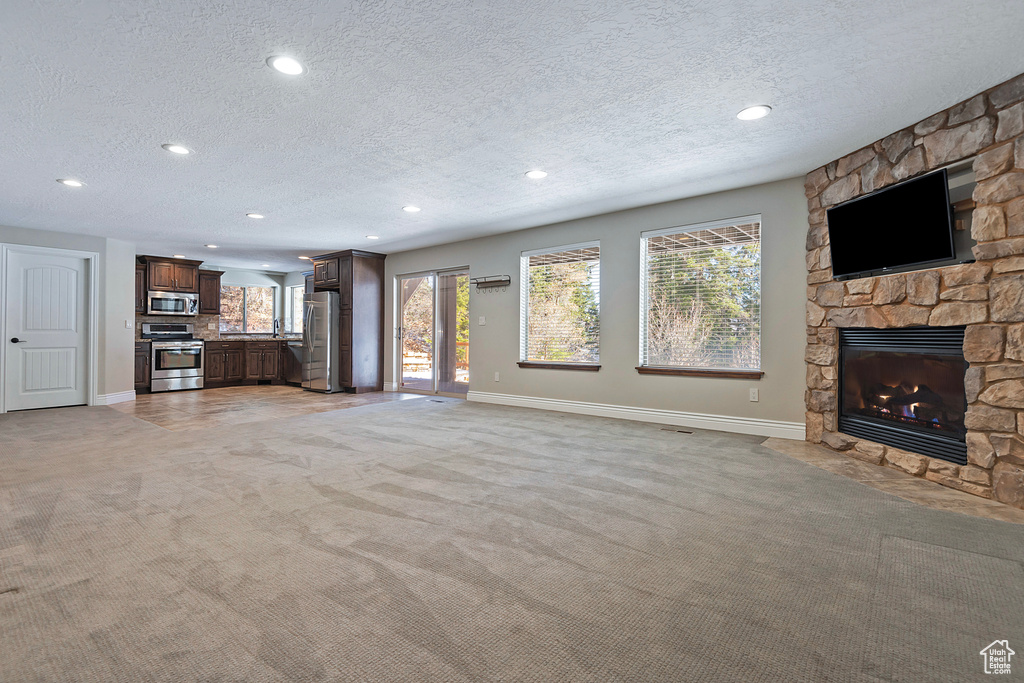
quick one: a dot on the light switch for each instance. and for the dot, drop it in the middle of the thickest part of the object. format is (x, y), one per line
(753, 395)
(482, 320)
(129, 324)
(497, 377)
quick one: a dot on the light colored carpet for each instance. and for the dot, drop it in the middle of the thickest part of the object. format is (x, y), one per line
(450, 541)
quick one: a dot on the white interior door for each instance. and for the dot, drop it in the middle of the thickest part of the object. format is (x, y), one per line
(46, 316)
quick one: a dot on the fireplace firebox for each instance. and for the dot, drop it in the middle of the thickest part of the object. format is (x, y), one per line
(905, 388)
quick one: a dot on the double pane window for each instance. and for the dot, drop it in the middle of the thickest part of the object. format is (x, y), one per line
(246, 310)
(560, 304)
(701, 296)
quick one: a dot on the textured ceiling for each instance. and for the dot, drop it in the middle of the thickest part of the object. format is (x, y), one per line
(445, 104)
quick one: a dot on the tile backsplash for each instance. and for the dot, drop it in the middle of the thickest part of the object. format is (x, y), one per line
(201, 324)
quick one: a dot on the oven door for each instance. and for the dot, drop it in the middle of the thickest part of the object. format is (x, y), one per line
(177, 359)
(172, 303)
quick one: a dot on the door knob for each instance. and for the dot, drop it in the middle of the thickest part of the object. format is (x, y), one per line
(15, 340)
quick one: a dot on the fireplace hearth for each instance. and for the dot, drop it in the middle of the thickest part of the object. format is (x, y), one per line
(905, 388)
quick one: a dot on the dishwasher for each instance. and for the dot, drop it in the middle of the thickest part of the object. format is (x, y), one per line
(293, 363)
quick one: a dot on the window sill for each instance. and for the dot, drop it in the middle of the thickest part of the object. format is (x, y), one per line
(699, 372)
(545, 365)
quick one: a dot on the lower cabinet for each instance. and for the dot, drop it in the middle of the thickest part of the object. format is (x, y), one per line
(142, 362)
(225, 363)
(231, 363)
(263, 360)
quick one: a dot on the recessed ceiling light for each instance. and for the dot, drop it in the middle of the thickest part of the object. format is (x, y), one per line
(411, 209)
(254, 215)
(536, 175)
(372, 237)
(179, 256)
(758, 111)
(76, 183)
(304, 258)
(211, 246)
(286, 65)
(177, 149)
(264, 265)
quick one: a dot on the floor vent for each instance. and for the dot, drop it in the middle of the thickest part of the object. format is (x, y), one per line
(680, 431)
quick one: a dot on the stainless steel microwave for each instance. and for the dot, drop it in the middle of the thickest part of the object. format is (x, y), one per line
(172, 303)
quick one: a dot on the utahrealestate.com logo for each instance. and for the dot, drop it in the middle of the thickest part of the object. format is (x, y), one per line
(997, 657)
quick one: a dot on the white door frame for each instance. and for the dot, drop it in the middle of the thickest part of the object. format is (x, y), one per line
(92, 278)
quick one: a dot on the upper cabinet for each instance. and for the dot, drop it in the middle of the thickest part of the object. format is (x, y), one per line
(140, 288)
(171, 275)
(325, 272)
(209, 292)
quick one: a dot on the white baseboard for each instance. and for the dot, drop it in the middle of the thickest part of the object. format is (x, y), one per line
(119, 397)
(725, 423)
(390, 386)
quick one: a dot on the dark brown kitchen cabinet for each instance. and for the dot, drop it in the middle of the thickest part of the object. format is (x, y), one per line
(225, 363)
(325, 272)
(309, 282)
(140, 288)
(142, 366)
(209, 292)
(171, 275)
(360, 285)
(262, 360)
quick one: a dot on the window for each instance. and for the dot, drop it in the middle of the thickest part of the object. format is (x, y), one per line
(560, 302)
(701, 296)
(293, 308)
(246, 309)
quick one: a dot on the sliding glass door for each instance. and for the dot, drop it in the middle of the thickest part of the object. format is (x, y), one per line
(435, 332)
(418, 333)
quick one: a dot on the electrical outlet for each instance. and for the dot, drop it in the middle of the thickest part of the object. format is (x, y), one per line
(482, 320)
(129, 324)
(497, 377)
(753, 395)
(211, 326)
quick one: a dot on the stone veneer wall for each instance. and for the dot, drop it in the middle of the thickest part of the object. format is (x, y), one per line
(986, 296)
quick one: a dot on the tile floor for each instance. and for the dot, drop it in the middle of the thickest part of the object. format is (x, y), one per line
(907, 487)
(190, 410)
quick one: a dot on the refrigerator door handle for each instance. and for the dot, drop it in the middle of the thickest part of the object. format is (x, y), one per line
(308, 327)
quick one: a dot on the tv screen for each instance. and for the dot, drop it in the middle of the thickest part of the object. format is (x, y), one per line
(906, 224)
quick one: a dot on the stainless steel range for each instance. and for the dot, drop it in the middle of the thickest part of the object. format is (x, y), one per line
(177, 356)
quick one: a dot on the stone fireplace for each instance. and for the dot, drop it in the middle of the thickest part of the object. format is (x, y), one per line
(923, 371)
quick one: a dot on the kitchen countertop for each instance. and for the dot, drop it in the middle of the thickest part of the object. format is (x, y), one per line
(258, 337)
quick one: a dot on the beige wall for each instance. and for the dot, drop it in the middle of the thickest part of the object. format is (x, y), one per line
(494, 347)
(115, 296)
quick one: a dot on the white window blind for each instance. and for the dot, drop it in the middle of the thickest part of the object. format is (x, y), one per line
(701, 295)
(560, 304)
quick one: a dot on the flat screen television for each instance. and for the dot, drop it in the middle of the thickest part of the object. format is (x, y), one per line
(907, 224)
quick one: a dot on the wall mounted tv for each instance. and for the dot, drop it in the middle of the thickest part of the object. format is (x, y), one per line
(907, 224)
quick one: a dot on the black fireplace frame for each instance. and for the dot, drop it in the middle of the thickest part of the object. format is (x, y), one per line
(943, 341)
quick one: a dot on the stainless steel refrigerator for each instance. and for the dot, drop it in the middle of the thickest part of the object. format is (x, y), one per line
(320, 315)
